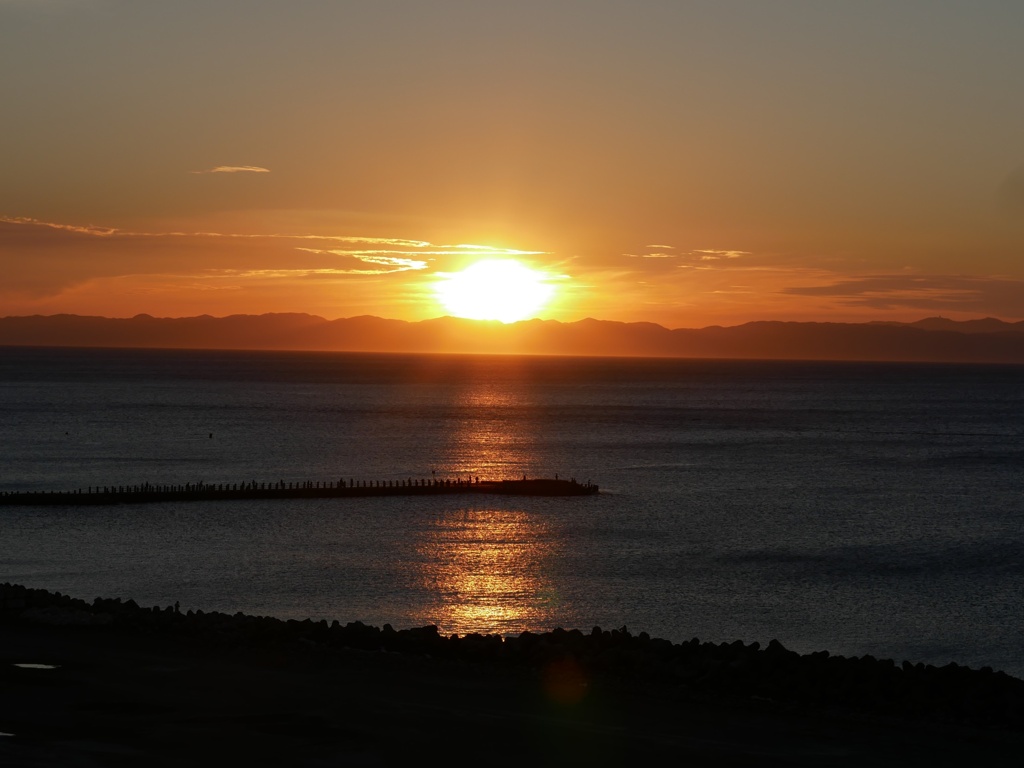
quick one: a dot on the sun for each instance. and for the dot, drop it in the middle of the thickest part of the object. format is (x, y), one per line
(495, 289)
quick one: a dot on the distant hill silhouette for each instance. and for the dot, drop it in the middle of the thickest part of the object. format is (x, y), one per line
(933, 339)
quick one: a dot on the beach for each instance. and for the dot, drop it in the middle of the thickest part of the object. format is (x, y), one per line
(113, 683)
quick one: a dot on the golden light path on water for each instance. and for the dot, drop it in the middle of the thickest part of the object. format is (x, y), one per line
(485, 563)
(485, 567)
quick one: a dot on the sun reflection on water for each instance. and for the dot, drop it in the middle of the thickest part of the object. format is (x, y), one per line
(494, 436)
(486, 569)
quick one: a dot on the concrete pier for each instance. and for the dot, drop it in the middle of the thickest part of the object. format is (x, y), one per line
(344, 488)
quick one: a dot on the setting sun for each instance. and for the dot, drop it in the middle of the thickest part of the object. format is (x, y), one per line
(495, 289)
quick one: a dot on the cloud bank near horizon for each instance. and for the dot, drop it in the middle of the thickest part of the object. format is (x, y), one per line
(72, 260)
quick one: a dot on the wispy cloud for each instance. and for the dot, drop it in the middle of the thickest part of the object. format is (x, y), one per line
(81, 230)
(293, 274)
(414, 246)
(65, 255)
(398, 242)
(656, 251)
(389, 260)
(235, 169)
(490, 249)
(715, 254)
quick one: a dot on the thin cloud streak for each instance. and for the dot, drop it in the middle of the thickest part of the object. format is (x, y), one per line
(709, 254)
(278, 274)
(490, 249)
(384, 258)
(70, 259)
(111, 232)
(81, 230)
(234, 169)
(656, 255)
(700, 254)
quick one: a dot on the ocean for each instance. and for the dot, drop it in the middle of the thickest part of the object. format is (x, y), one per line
(859, 508)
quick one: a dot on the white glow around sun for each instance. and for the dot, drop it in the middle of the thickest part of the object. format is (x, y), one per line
(495, 289)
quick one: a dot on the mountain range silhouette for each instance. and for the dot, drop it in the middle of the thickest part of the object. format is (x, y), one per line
(933, 339)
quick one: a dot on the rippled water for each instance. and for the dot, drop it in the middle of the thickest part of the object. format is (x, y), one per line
(862, 508)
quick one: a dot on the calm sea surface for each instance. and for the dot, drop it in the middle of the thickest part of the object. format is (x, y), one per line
(858, 508)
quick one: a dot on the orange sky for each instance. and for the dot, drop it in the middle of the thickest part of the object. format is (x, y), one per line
(687, 164)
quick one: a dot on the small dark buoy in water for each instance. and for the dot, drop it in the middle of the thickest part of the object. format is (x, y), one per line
(211, 435)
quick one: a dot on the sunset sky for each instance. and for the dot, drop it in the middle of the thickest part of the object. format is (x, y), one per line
(684, 163)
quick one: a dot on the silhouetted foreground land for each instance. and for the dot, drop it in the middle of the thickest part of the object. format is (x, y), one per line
(141, 686)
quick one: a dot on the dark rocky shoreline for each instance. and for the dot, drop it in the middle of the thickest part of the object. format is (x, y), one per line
(742, 692)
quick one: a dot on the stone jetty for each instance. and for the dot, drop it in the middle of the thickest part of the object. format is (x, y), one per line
(252, 489)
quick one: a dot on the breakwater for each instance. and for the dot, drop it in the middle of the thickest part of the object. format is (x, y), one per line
(341, 488)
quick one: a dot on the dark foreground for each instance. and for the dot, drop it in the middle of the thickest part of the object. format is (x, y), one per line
(154, 687)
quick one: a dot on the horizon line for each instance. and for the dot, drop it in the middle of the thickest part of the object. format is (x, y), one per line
(496, 323)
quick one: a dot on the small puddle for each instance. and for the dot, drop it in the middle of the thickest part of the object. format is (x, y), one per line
(37, 666)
